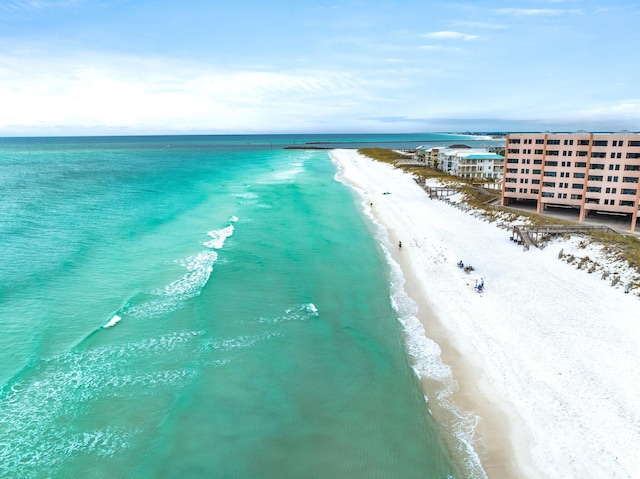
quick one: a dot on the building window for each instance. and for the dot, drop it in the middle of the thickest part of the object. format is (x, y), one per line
(595, 178)
(594, 189)
(553, 153)
(550, 163)
(537, 172)
(550, 173)
(633, 143)
(578, 175)
(514, 151)
(598, 154)
(627, 203)
(596, 166)
(633, 155)
(535, 192)
(512, 160)
(537, 162)
(629, 179)
(576, 186)
(540, 141)
(515, 141)
(576, 197)
(553, 142)
(632, 167)
(594, 201)
(535, 182)
(581, 153)
(538, 152)
(549, 184)
(510, 190)
(628, 191)
(583, 142)
(618, 155)
(581, 164)
(600, 142)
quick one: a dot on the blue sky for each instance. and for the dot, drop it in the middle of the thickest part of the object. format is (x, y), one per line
(244, 66)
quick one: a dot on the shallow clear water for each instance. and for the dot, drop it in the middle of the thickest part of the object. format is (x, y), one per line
(249, 331)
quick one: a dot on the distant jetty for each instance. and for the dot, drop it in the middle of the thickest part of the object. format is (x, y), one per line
(308, 147)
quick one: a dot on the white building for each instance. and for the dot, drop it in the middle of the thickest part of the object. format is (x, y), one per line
(471, 163)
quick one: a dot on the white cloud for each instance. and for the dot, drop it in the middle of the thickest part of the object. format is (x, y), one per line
(449, 35)
(164, 94)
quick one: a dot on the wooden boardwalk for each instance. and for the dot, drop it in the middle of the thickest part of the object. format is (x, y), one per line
(531, 235)
(440, 191)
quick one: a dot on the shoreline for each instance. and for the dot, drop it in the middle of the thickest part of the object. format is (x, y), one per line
(527, 370)
(496, 422)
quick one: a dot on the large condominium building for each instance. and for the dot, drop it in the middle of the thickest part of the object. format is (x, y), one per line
(590, 171)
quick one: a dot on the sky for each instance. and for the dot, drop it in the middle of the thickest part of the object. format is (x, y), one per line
(76, 67)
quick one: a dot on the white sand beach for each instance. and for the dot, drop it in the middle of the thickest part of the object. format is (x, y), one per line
(546, 357)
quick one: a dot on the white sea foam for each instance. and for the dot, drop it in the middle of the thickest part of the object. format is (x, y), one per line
(115, 319)
(299, 313)
(291, 173)
(218, 237)
(172, 296)
(241, 342)
(35, 409)
(199, 267)
(247, 196)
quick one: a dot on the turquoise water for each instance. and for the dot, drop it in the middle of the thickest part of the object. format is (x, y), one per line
(199, 307)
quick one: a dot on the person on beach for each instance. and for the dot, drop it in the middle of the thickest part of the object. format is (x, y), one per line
(399, 244)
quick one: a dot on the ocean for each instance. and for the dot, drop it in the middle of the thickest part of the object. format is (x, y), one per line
(202, 306)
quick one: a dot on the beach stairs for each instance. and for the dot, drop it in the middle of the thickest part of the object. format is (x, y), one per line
(521, 236)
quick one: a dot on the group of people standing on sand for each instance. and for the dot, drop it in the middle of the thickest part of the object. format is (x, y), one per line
(479, 287)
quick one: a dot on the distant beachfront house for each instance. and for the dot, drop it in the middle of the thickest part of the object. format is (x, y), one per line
(464, 162)
(428, 157)
(592, 172)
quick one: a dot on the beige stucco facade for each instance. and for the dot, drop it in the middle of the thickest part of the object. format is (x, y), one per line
(590, 171)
